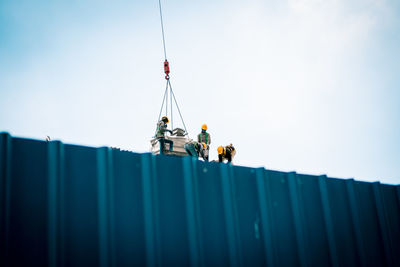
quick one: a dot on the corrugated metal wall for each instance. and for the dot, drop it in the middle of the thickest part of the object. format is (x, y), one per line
(81, 206)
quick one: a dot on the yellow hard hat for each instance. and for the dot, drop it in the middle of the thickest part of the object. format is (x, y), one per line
(204, 145)
(220, 150)
(204, 127)
(165, 118)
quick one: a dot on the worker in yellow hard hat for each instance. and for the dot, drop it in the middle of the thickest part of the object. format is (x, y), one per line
(195, 149)
(160, 135)
(226, 153)
(205, 138)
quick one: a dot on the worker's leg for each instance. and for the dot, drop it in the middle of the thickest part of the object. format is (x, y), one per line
(202, 153)
(162, 143)
(229, 156)
(233, 153)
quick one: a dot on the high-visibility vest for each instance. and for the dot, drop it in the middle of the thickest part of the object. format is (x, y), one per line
(206, 138)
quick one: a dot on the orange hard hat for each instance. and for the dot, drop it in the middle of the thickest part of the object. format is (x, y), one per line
(204, 127)
(220, 150)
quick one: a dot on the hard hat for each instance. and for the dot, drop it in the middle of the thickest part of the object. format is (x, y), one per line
(204, 145)
(165, 118)
(220, 150)
(204, 127)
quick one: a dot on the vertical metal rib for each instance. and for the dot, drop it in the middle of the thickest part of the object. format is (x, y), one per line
(230, 217)
(328, 220)
(5, 196)
(263, 195)
(382, 222)
(55, 152)
(300, 236)
(356, 222)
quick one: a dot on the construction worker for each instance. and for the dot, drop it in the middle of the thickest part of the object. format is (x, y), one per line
(195, 149)
(160, 135)
(227, 152)
(204, 137)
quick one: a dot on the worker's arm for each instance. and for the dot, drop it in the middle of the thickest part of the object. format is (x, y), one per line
(220, 158)
(163, 128)
(209, 139)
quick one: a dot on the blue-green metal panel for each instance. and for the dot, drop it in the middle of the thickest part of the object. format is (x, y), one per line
(283, 224)
(83, 234)
(130, 246)
(27, 218)
(369, 224)
(248, 216)
(5, 190)
(66, 205)
(389, 198)
(263, 195)
(171, 209)
(342, 223)
(211, 213)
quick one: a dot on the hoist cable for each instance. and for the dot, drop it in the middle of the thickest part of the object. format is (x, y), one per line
(176, 103)
(166, 69)
(166, 101)
(172, 118)
(162, 30)
(162, 105)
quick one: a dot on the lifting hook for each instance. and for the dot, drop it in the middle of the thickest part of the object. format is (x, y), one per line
(166, 69)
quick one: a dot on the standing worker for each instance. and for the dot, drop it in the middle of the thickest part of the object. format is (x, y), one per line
(160, 135)
(205, 137)
(227, 152)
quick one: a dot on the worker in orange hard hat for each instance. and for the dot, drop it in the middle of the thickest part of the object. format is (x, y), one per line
(205, 138)
(160, 135)
(226, 153)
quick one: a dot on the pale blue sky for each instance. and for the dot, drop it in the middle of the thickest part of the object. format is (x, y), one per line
(299, 85)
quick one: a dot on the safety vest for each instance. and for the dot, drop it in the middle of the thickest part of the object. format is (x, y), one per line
(206, 137)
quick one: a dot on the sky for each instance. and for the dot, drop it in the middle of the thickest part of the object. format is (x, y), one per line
(311, 86)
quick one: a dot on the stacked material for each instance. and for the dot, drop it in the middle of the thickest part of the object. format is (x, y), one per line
(178, 147)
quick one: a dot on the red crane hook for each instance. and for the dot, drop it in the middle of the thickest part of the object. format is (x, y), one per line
(166, 69)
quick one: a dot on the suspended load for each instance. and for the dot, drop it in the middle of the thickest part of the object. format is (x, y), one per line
(166, 141)
(172, 142)
(178, 136)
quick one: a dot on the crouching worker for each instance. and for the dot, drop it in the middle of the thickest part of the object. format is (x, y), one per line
(226, 153)
(195, 149)
(161, 129)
